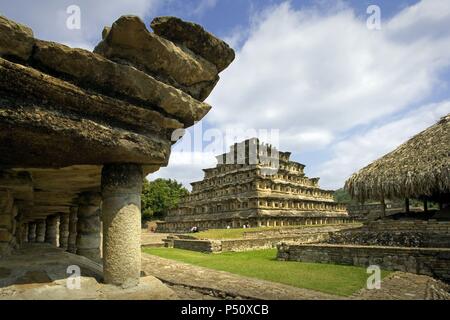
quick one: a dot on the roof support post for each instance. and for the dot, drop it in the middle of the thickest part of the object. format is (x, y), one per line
(121, 209)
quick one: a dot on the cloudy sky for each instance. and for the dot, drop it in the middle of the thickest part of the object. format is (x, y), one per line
(309, 74)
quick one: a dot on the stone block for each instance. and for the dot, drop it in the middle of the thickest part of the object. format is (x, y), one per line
(90, 69)
(129, 40)
(197, 39)
(16, 40)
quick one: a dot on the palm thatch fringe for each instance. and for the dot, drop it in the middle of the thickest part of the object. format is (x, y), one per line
(419, 167)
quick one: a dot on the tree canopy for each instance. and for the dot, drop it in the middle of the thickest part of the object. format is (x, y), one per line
(343, 196)
(159, 196)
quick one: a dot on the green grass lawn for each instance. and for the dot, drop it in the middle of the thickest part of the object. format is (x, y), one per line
(262, 264)
(222, 234)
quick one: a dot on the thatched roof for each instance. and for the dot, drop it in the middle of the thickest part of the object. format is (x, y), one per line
(419, 167)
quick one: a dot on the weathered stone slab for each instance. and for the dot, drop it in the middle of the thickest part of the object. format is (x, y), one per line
(92, 70)
(95, 143)
(196, 38)
(16, 40)
(20, 81)
(130, 40)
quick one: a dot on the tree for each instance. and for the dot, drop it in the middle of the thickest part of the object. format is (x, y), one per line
(159, 196)
(343, 196)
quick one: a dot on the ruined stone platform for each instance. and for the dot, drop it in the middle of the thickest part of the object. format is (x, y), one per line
(46, 278)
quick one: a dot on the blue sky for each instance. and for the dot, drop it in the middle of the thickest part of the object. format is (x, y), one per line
(340, 94)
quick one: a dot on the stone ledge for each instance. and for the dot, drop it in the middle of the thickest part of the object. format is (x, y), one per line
(433, 262)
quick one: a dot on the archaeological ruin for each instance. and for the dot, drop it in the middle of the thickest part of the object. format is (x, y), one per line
(254, 184)
(80, 130)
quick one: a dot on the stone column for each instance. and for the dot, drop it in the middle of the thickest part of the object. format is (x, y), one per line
(40, 230)
(64, 231)
(88, 225)
(72, 241)
(121, 211)
(32, 232)
(52, 230)
(14, 230)
(25, 233)
(6, 222)
(20, 229)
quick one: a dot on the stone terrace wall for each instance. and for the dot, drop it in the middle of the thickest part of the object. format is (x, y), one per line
(409, 225)
(284, 232)
(409, 233)
(237, 245)
(252, 240)
(205, 246)
(267, 243)
(427, 261)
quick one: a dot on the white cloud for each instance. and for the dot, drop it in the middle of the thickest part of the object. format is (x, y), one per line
(203, 6)
(323, 78)
(48, 18)
(305, 72)
(354, 153)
